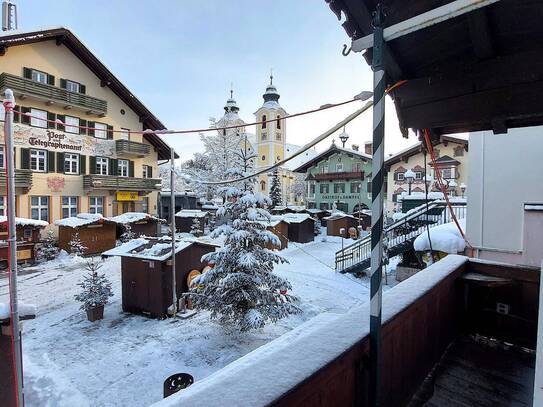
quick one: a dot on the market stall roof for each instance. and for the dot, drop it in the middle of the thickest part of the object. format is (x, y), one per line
(482, 70)
(25, 222)
(81, 219)
(131, 217)
(191, 213)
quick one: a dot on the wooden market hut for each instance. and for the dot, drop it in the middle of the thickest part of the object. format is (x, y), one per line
(339, 220)
(184, 219)
(146, 272)
(280, 229)
(28, 235)
(96, 233)
(301, 227)
(363, 217)
(141, 224)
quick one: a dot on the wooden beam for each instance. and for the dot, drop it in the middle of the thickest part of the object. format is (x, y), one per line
(424, 20)
(481, 38)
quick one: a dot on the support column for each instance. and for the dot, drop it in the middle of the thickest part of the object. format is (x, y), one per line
(377, 170)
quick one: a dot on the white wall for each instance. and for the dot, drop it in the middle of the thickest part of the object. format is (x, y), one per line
(505, 172)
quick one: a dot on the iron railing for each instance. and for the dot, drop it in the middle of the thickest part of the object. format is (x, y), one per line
(401, 234)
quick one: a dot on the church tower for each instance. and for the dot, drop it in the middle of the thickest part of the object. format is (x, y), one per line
(270, 136)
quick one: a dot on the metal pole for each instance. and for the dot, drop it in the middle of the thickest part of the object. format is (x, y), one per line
(9, 103)
(172, 227)
(377, 171)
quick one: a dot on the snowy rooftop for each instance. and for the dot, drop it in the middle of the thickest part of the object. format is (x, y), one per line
(151, 249)
(191, 213)
(267, 373)
(295, 208)
(294, 217)
(131, 217)
(339, 215)
(81, 219)
(25, 222)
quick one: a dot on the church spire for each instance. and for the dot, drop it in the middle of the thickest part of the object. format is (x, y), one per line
(231, 104)
(271, 93)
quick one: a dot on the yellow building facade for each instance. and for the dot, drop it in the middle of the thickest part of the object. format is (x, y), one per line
(75, 150)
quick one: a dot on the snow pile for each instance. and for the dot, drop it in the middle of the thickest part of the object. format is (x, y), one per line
(25, 310)
(81, 219)
(533, 207)
(191, 213)
(25, 222)
(445, 238)
(131, 217)
(262, 376)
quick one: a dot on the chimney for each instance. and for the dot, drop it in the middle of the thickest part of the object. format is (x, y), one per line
(368, 147)
(355, 147)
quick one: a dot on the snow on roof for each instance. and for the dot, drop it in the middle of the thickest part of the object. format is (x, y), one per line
(25, 310)
(421, 195)
(130, 217)
(297, 161)
(25, 222)
(151, 249)
(295, 208)
(295, 217)
(81, 219)
(533, 207)
(191, 213)
(314, 210)
(445, 238)
(210, 207)
(338, 215)
(262, 376)
(167, 192)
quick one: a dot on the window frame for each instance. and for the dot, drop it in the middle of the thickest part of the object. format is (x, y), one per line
(124, 132)
(339, 167)
(102, 162)
(95, 207)
(99, 131)
(37, 71)
(69, 203)
(40, 206)
(123, 168)
(70, 82)
(37, 159)
(402, 174)
(36, 122)
(324, 188)
(356, 187)
(70, 160)
(71, 126)
(3, 206)
(339, 185)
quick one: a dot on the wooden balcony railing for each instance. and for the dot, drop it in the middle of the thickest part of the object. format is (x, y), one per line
(132, 148)
(112, 182)
(339, 175)
(23, 179)
(52, 94)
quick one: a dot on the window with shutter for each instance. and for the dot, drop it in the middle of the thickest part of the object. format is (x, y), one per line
(83, 124)
(24, 118)
(131, 168)
(82, 164)
(90, 130)
(16, 116)
(39, 118)
(50, 80)
(50, 161)
(61, 119)
(25, 158)
(63, 83)
(51, 117)
(92, 165)
(110, 132)
(60, 163)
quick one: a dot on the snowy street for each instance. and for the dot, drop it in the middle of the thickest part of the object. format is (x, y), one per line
(124, 359)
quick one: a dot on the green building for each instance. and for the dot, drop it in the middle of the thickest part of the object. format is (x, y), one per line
(341, 176)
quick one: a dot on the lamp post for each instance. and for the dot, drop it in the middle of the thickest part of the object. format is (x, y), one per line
(343, 137)
(410, 177)
(463, 188)
(428, 179)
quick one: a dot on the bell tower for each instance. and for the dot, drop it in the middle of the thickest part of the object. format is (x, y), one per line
(271, 134)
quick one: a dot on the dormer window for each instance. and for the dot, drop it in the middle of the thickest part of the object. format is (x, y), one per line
(278, 122)
(264, 121)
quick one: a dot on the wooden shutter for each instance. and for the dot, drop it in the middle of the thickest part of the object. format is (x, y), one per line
(27, 73)
(82, 123)
(63, 83)
(16, 116)
(82, 89)
(50, 80)
(25, 158)
(90, 131)
(83, 164)
(110, 132)
(25, 119)
(92, 164)
(131, 168)
(149, 171)
(51, 117)
(60, 162)
(50, 161)
(62, 118)
(113, 166)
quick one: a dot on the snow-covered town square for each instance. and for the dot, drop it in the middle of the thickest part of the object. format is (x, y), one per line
(293, 203)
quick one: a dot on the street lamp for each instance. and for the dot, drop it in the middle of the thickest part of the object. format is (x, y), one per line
(344, 137)
(410, 177)
(463, 188)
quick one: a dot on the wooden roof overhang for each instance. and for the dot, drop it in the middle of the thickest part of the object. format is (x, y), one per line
(64, 36)
(482, 70)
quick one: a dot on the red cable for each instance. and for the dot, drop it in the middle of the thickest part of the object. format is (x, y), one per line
(441, 185)
(8, 106)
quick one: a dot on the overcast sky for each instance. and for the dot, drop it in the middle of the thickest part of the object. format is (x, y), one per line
(179, 58)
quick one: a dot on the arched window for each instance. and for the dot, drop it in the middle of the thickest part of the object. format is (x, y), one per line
(264, 121)
(262, 185)
(278, 122)
(263, 158)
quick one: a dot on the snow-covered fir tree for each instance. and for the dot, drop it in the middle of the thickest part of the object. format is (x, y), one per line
(48, 249)
(196, 227)
(241, 291)
(95, 287)
(77, 248)
(275, 189)
(128, 233)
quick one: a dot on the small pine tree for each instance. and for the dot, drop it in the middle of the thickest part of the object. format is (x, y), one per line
(77, 248)
(195, 228)
(48, 250)
(242, 291)
(128, 234)
(275, 189)
(96, 288)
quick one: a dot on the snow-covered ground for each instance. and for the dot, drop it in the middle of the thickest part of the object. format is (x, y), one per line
(124, 359)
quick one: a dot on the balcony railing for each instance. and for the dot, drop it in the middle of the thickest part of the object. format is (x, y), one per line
(23, 179)
(339, 175)
(112, 182)
(53, 94)
(132, 148)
